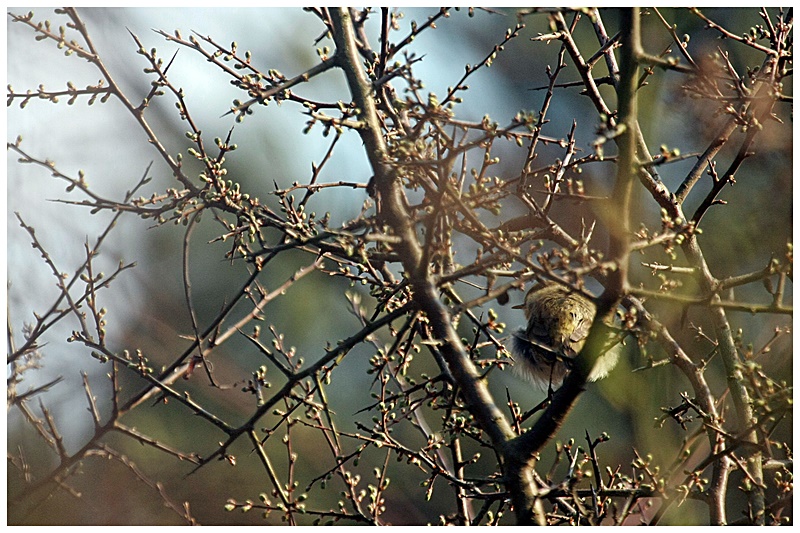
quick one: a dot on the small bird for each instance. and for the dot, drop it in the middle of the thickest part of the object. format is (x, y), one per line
(559, 320)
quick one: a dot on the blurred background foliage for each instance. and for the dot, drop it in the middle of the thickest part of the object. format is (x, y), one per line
(146, 306)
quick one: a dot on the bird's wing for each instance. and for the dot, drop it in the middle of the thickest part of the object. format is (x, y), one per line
(581, 331)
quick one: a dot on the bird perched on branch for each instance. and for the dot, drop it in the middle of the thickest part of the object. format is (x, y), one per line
(559, 320)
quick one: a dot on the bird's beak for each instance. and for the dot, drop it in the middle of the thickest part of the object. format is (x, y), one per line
(520, 306)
